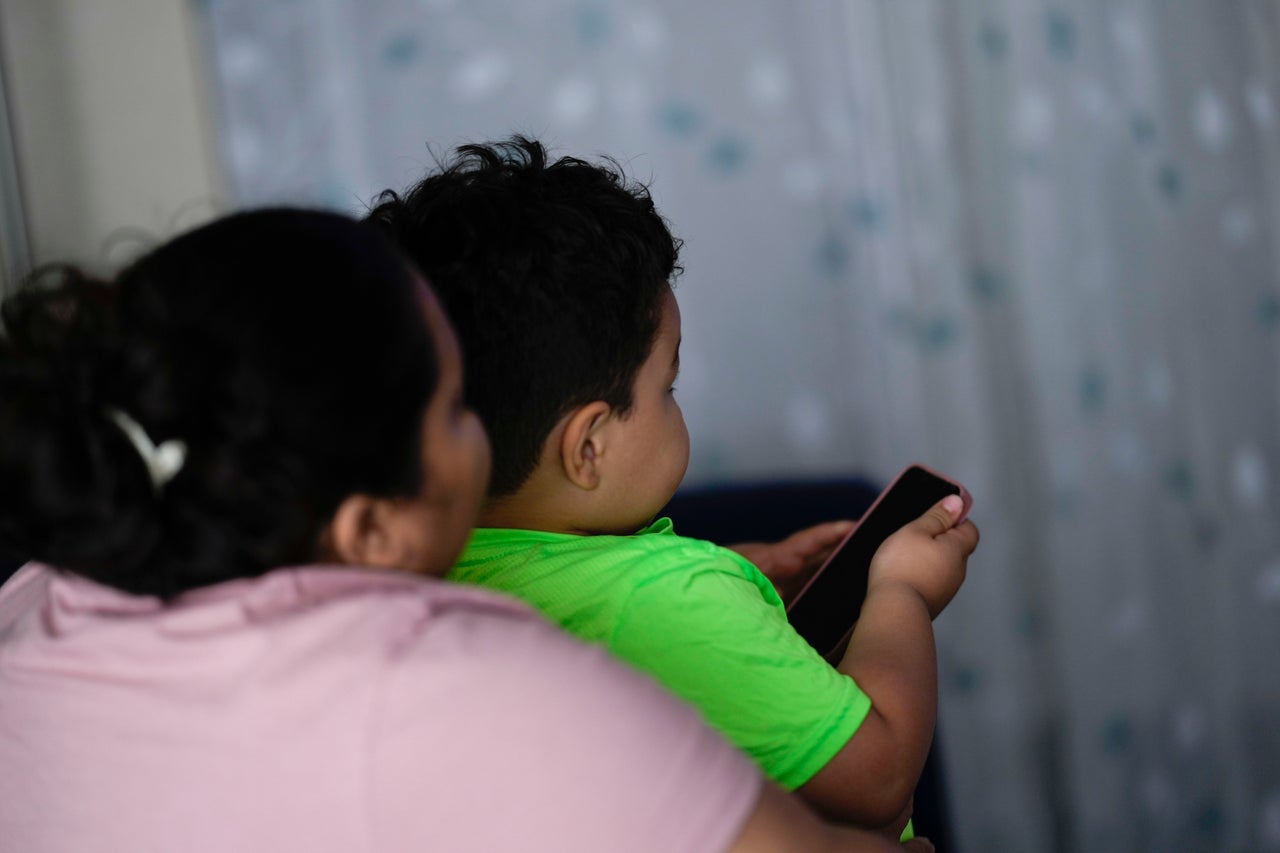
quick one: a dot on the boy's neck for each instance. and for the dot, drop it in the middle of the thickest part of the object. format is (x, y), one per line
(551, 507)
(511, 511)
(541, 503)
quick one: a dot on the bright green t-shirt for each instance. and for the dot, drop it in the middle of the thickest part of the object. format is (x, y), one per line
(699, 618)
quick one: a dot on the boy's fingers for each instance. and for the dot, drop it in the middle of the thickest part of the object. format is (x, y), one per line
(814, 542)
(941, 516)
(968, 534)
(822, 535)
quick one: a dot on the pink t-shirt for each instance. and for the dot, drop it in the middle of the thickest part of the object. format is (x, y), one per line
(336, 709)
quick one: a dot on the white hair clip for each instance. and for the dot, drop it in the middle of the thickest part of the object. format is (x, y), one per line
(163, 462)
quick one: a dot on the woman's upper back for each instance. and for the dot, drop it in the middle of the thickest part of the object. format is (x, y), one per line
(324, 708)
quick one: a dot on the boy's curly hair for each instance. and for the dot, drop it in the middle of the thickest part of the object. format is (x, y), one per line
(551, 273)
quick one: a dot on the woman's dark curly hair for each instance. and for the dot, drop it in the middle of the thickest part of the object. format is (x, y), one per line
(287, 349)
(552, 274)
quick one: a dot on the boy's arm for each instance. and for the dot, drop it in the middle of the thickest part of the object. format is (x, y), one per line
(891, 656)
(778, 822)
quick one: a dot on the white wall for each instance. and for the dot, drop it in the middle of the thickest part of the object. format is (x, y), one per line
(110, 122)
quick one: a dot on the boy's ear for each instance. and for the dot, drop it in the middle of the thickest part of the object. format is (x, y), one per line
(582, 444)
(362, 533)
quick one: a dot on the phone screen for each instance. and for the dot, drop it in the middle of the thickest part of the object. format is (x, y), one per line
(826, 609)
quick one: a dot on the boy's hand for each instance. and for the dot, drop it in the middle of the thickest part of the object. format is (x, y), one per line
(790, 563)
(928, 555)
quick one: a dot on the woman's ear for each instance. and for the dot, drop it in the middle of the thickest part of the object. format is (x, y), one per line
(582, 444)
(362, 533)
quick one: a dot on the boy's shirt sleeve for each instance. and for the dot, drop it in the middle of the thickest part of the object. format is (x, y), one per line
(709, 635)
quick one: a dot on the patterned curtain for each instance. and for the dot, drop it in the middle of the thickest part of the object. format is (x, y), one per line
(1034, 244)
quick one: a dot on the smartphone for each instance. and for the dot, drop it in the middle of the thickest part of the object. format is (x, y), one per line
(825, 610)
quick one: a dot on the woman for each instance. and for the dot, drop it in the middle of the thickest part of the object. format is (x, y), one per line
(239, 467)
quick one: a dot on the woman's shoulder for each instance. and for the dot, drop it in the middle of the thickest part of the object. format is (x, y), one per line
(377, 613)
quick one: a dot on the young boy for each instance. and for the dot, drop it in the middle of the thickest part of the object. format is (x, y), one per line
(557, 277)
